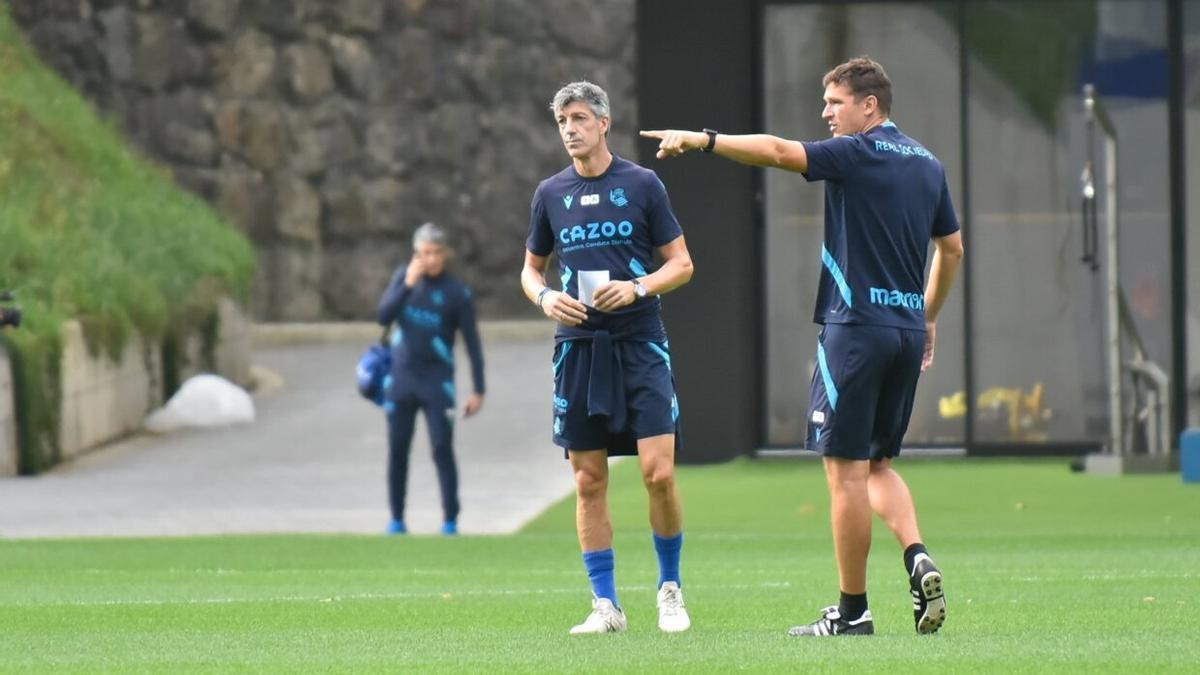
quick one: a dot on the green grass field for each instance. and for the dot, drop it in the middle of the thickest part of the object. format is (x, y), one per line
(1045, 571)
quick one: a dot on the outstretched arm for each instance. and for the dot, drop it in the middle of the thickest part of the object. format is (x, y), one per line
(753, 149)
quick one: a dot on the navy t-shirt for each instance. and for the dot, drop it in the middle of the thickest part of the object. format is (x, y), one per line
(610, 223)
(428, 315)
(885, 197)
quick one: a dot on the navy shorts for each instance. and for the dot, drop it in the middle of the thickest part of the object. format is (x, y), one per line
(863, 390)
(646, 381)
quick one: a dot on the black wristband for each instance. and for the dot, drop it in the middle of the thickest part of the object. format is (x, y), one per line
(712, 140)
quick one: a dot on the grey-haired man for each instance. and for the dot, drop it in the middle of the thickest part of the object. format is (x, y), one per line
(614, 392)
(429, 305)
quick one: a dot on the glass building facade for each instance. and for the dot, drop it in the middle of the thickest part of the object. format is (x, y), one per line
(993, 89)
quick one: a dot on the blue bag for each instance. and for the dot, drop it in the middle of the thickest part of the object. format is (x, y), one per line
(374, 366)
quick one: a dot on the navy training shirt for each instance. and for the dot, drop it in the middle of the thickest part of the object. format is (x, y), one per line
(428, 315)
(613, 222)
(885, 198)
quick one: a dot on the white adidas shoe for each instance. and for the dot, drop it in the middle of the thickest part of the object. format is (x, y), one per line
(605, 618)
(672, 613)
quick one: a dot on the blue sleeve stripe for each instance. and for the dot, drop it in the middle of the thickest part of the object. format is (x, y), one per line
(566, 277)
(661, 352)
(636, 267)
(566, 347)
(838, 277)
(831, 391)
(448, 387)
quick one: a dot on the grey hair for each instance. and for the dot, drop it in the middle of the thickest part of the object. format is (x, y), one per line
(591, 94)
(430, 234)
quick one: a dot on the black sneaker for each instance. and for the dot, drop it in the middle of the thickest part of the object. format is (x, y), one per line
(929, 603)
(832, 623)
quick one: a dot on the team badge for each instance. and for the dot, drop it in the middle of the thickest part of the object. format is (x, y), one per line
(617, 196)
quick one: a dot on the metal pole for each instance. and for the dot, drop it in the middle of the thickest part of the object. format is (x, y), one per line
(1157, 411)
(1094, 113)
(968, 224)
(1112, 289)
(1088, 183)
(1177, 159)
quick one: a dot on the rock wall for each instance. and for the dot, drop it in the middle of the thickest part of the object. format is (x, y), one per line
(328, 130)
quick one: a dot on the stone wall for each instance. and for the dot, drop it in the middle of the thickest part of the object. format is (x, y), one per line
(329, 129)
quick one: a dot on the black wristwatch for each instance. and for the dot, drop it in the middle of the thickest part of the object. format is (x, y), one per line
(712, 139)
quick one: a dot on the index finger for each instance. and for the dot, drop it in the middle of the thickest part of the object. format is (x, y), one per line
(656, 133)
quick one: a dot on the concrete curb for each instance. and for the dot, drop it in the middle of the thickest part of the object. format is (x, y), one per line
(272, 334)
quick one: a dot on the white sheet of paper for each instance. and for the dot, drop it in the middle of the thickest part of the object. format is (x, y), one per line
(589, 281)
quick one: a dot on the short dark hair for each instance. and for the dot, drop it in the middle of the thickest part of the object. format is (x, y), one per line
(865, 77)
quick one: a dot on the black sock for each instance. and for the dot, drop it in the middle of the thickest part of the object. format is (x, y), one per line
(910, 554)
(851, 606)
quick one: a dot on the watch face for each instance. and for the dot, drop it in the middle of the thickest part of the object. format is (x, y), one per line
(639, 290)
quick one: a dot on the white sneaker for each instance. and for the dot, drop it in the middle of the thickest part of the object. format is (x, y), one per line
(672, 613)
(605, 618)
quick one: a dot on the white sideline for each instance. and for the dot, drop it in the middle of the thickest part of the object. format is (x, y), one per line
(416, 595)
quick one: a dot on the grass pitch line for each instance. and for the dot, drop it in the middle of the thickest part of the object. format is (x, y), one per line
(1108, 576)
(415, 595)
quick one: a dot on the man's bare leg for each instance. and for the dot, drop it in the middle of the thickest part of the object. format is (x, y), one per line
(656, 455)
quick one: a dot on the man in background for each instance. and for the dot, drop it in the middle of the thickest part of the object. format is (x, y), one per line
(429, 306)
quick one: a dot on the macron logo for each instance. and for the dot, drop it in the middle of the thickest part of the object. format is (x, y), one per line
(893, 298)
(567, 201)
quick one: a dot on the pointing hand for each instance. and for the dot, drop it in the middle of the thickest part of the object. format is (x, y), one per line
(674, 142)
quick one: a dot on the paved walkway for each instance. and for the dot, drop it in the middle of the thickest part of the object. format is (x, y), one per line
(314, 460)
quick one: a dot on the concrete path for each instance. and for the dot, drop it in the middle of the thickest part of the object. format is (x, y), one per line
(314, 461)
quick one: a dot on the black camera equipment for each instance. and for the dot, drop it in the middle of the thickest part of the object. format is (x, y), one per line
(9, 316)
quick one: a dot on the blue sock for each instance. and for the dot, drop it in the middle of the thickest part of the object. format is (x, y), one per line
(600, 565)
(668, 549)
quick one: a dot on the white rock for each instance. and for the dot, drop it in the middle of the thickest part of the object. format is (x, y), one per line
(203, 401)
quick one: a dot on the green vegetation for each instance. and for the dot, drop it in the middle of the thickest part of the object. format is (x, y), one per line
(1046, 571)
(1034, 47)
(91, 231)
